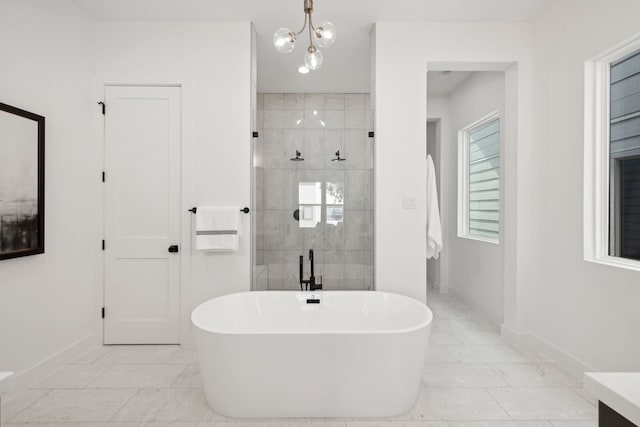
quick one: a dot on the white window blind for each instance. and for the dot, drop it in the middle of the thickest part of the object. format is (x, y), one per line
(484, 180)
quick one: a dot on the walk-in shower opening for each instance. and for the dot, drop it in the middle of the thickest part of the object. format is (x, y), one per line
(313, 190)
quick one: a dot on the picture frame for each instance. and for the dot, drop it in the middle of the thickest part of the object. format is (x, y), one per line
(22, 137)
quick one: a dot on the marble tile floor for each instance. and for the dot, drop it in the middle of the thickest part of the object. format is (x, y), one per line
(471, 379)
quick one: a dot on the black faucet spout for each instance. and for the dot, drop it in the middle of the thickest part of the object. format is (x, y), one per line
(311, 283)
(301, 272)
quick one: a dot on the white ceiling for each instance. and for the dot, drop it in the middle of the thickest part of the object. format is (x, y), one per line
(346, 64)
(445, 82)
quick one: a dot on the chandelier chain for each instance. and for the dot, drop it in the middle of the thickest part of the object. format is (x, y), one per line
(310, 32)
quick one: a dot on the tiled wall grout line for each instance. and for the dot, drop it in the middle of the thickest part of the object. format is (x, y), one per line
(274, 229)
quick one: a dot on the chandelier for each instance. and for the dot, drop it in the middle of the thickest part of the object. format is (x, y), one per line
(284, 39)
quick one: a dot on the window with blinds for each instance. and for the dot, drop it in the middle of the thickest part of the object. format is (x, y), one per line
(479, 192)
(624, 157)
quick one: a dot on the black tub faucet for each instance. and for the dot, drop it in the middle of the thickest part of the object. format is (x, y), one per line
(310, 284)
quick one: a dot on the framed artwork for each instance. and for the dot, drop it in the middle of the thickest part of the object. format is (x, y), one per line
(21, 183)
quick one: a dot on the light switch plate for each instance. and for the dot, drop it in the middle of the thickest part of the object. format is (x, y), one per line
(409, 203)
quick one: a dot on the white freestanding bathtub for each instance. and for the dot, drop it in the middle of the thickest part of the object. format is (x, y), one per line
(275, 355)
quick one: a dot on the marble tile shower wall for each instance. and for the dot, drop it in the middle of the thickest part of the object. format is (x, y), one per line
(338, 224)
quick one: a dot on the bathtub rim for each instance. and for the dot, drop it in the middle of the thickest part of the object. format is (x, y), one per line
(421, 325)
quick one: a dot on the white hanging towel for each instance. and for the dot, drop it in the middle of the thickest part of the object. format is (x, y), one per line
(434, 229)
(218, 229)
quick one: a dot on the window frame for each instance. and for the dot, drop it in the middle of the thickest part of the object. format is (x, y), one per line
(326, 206)
(597, 122)
(463, 177)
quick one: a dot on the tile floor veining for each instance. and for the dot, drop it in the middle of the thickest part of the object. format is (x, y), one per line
(471, 379)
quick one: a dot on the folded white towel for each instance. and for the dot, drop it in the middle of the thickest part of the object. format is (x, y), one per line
(434, 229)
(218, 229)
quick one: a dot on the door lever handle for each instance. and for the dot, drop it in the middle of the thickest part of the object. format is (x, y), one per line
(173, 248)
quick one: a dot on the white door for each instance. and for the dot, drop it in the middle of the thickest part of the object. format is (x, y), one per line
(142, 215)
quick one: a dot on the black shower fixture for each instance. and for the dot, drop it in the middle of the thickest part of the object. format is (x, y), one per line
(297, 158)
(338, 158)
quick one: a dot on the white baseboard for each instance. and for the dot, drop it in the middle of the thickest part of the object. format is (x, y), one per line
(31, 375)
(531, 342)
(481, 311)
(558, 355)
(444, 287)
(438, 285)
(511, 336)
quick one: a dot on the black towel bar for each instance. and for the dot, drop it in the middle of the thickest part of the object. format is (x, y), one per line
(194, 210)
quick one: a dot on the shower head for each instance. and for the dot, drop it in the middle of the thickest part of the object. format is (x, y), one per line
(297, 158)
(338, 158)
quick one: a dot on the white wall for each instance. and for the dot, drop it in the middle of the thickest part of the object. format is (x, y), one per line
(587, 311)
(582, 314)
(403, 52)
(400, 171)
(50, 301)
(47, 301)
(212, 62)
(55, 62)
(475, 267)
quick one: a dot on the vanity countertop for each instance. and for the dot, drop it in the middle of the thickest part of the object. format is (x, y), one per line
(618, 390)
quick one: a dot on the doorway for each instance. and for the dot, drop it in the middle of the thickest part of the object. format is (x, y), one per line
(471, 112)
(433, 150)
(142, 215)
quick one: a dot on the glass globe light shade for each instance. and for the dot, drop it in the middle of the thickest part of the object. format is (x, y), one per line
(313, 58)
(325, 34)
(284, 40)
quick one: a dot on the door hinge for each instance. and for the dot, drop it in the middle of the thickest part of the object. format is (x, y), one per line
(103, 107)
(371, 134)
(104, 176)
(103, 312)
(103, 244)
(254, 134)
